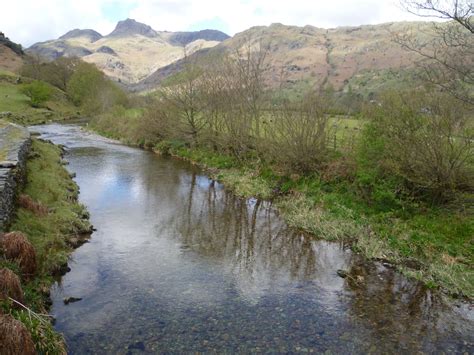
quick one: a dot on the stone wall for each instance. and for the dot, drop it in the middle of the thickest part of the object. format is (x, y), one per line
(15, 144)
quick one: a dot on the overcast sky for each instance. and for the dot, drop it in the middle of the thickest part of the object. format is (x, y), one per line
(30, 21)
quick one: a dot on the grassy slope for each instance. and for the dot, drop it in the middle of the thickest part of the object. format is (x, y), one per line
(50, 184)
(13, 101)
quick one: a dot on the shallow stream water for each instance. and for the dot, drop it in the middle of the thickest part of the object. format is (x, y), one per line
(178, 264)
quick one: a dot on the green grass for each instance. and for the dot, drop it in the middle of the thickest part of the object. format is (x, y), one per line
(13, 101)
(49, 184)
(122, 124)
(438, 239)
(344, 132)
(241, 179)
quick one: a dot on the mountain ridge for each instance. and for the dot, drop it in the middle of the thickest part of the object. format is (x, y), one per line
(75, 33)
(345, 58)
(131, 52)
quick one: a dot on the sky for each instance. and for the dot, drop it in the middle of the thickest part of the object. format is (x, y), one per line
(31, 21)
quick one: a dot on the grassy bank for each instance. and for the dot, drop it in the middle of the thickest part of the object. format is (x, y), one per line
(431, 244)
(54, 222)
(16, 107)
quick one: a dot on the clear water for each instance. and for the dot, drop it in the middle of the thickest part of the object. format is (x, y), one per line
(178, 264)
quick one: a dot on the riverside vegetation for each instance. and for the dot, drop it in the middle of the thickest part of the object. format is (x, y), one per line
(49, 220)
(54, 222)
(395, 177)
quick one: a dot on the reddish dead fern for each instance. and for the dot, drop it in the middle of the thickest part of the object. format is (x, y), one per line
(17, 248)
(10, 286)
(14, 337)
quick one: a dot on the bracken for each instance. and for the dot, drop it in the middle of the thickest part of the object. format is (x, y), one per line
(29, 204)
(10, 286)
(16, 247)
(14, 337)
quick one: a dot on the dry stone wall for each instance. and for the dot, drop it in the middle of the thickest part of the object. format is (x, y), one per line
(15, 144)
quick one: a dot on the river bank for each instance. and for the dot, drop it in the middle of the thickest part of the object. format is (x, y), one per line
(426, 242)
(429, 244)
(180, 264)
(55, 223)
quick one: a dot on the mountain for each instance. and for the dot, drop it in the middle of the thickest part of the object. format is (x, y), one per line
(131, 27)
(77, 33)
(184, 38)
(11, 55)
(131, 52)
(363, 58)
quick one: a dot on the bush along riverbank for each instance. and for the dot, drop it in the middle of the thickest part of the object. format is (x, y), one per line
(429, 243)
(395, 180)
(49, 224)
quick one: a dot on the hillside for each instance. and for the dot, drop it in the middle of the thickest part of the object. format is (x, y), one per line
(357, 58)
(131, 52)
(11, 55)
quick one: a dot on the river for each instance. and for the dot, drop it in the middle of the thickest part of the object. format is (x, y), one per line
(179, 264)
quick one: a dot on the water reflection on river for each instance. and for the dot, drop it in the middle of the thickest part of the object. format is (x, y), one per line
(178, 264)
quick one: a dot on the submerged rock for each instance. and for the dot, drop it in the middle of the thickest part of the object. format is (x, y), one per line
(342, 273)
(68, 300)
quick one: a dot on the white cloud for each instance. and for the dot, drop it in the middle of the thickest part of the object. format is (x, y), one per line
(29, 21)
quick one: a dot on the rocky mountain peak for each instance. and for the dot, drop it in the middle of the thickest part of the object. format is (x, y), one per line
(91, 34)
(130, 27)
(184, 38)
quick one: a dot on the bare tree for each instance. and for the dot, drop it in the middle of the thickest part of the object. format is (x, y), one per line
(447, 51)
(297, 133)
(184, 97)
(460, 11)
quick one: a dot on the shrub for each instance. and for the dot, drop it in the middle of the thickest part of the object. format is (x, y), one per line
(297, 135)
(89, 88)
(38, 92)
(422, 137)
